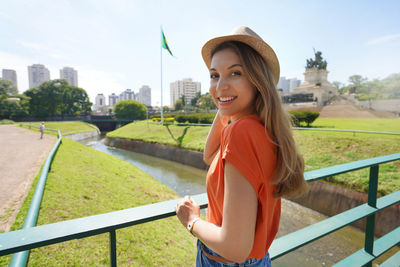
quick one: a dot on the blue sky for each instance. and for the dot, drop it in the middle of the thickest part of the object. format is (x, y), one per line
(115, 45)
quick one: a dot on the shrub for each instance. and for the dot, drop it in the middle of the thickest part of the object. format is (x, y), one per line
(204, 118)
(310, 117)
(193, 118)
(180, 118)
(168, 119)
(130, 110)
(300, 116)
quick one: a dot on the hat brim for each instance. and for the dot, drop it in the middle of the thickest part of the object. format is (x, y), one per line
(266, 52)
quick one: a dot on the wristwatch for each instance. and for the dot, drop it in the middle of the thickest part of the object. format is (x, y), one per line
(190, 224)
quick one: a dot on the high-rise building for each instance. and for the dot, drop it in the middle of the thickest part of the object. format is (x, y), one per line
(100, 100)
(10, 75)
(38, 74)
(288, 85)
(144, 95)
(293, 84)
(128, 94)
(113, 99)
(70, 75)
(283, 84)
(185, 87)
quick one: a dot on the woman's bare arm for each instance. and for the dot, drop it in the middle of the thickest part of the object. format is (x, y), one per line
(214, 138)
(234, 239)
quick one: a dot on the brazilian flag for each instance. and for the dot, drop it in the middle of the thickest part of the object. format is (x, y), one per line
(164, 43)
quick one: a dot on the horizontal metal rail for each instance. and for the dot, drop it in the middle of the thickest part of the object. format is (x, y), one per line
(392, 261)
(302, 237)
(383, 244)
(48, 234)
(342, 130)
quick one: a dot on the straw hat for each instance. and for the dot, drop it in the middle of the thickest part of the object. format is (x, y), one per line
(249, 37)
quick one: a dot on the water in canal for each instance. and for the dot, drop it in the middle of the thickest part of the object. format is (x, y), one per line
(186, 180)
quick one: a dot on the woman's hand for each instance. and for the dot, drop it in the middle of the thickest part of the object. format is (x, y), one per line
(187, 210)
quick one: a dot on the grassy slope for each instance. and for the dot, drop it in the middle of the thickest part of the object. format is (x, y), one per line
(85, 182)
(381, 124)
(156, 133)
(320, 149)
(66, 127)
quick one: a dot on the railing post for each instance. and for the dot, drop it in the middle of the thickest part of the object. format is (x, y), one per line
(113, 249)
(372, 193)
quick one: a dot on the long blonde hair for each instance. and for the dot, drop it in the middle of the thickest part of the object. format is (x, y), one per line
(289, 177)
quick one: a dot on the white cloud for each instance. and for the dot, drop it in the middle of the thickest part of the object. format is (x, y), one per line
(32, 45)
(20, 65)
(384, 39)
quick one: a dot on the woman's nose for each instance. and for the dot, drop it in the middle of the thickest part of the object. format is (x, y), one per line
(222, 84)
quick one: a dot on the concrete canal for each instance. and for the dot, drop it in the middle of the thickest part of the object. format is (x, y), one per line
(186, 180)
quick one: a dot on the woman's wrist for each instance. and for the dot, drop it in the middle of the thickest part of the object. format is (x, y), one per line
(190, 225)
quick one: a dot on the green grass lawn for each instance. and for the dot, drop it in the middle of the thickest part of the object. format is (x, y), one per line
(65, 127)
(194, 139)
(4, 121)
(364, 124)
(84, 182)
(320, 149)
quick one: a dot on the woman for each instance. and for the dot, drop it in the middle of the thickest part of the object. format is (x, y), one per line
(253, 160)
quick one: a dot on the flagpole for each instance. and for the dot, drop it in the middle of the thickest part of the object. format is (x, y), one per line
(162, 117)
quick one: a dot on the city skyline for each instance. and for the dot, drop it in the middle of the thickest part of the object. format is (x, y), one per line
(116, 45)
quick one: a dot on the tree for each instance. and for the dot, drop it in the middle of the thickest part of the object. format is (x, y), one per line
(14, 109)
(195, 99)
(74, 101)
(130, 110)
(206, 102)
(356, 80)
(8, 87)
(338, 85)
(57, 97)
(178, 104)
(183, 100)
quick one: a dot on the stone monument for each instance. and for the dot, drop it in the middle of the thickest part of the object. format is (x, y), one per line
(316, 81)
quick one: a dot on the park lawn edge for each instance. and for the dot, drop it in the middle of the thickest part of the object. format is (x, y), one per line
(65, 127)
(111, 184)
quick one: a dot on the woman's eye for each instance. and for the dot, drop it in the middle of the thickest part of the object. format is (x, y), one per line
(213, 76)
(236, 73)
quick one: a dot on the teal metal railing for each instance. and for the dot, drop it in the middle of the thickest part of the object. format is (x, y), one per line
(44, 235)
(21, 258)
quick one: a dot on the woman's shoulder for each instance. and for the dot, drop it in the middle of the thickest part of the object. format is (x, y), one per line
(246, 124)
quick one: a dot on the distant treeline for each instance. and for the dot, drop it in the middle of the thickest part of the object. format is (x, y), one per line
(387, 88)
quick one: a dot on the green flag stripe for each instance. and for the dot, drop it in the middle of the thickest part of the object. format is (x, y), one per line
(165, 44)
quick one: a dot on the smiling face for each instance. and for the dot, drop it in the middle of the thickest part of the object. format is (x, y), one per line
(232, 92)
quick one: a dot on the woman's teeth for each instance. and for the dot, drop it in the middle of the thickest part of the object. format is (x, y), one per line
(225, 99)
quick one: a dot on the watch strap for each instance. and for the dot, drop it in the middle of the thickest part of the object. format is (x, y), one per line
(191, 224)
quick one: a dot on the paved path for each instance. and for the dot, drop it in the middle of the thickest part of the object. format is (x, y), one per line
(22, 153)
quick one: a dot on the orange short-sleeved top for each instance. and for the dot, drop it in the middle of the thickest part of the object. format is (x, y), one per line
(245, 145)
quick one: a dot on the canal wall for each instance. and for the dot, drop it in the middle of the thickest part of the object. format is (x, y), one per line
(84, 135)
(323, 197)
(184, 156)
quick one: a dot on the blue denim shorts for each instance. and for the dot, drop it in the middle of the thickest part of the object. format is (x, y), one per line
(203, 261)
